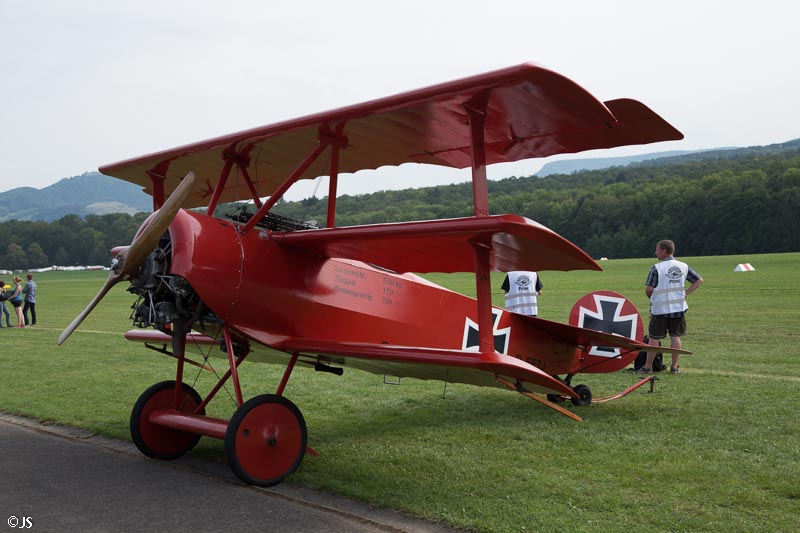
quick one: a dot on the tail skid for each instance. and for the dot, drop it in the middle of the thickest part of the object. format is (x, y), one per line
(582, 390)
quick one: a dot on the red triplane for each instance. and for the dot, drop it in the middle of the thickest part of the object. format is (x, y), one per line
(279, 291)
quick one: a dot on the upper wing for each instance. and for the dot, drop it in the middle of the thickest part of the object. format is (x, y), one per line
(516, 243)
(531, 112)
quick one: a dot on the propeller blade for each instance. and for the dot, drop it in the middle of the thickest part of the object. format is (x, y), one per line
(111, 280)
(148, 237)
(131, 258)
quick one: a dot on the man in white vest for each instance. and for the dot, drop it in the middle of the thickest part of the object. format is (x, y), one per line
(522, 288)
(666, 288)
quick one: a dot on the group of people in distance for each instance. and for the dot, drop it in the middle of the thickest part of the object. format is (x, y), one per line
(665, 287)
(23, 299)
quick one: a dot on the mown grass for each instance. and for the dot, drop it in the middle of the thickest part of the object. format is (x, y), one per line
(712, 449)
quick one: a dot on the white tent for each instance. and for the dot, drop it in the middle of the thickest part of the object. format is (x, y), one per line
(743, 267)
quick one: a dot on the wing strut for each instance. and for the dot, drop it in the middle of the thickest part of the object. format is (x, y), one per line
(242, 166)
(233, 365)
(332, 185)
(483, 292)
(296, 173)
(223, 179)
(476, 109)
(158, 190)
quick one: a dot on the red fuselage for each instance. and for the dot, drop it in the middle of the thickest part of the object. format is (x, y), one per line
(271, 292)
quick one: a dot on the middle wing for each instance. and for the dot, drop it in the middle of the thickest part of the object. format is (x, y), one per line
(516, 243)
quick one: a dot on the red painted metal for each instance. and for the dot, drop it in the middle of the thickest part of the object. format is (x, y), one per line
(164, 440)
(189, 423)
(233, 365)
(220, 186)
(594, 360)
(178, 349)
(332, 186)
(476, 110)
(286, 374)
(280, 288)
(253, 193)
(649, 379)
(269, 441)
(446, 245)
(157, 337)
(221, 382)
(157, 184)
(483, 291)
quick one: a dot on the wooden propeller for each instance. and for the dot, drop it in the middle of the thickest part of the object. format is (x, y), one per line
(128, 261)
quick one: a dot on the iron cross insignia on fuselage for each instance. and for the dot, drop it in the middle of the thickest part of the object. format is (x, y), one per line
(471, 339)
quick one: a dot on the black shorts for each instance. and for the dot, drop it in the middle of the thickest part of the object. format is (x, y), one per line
(661, 324)
(16, 303)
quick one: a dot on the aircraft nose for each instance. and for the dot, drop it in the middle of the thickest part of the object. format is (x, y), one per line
(127, 261)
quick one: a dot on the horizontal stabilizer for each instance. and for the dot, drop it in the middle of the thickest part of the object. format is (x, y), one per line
(590, 337)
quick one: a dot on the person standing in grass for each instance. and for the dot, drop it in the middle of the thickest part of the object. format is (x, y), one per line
(16, 301)
(666, 288)
(29, 295)
(3, 297)
(522, 290)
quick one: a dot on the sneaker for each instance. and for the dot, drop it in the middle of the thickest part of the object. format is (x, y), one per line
(644, 370)
(674, 370)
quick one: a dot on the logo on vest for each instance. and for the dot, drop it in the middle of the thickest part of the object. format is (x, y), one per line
(674, 274)
(523, 282)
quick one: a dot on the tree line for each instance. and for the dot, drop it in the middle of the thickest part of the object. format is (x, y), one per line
(711, 203)
(70, 240)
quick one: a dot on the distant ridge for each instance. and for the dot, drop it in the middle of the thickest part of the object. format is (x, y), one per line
(570, 166)
(91, 193)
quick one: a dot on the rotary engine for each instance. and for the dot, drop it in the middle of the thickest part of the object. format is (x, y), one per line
(162, 298)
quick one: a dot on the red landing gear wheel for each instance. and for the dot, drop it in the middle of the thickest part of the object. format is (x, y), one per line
(266, 440)
(157, 441)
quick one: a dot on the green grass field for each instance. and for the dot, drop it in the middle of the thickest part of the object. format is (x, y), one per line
(712, 449)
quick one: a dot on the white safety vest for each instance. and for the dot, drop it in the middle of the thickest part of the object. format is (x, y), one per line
(521, 295)
(669, 296)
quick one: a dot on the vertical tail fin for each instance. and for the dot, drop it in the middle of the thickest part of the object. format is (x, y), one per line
(609, 312)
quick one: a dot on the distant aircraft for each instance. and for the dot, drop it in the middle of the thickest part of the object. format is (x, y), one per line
(270, 289)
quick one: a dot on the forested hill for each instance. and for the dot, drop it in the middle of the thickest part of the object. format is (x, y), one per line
(711, 203)
(733, 201)
(90, 193)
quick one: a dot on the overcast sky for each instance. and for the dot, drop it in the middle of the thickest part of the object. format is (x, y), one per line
(87, 83)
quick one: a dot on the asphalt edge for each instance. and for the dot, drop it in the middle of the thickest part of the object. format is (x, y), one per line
(386, 519)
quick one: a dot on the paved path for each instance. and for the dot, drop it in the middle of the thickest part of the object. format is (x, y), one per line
(64, 479)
